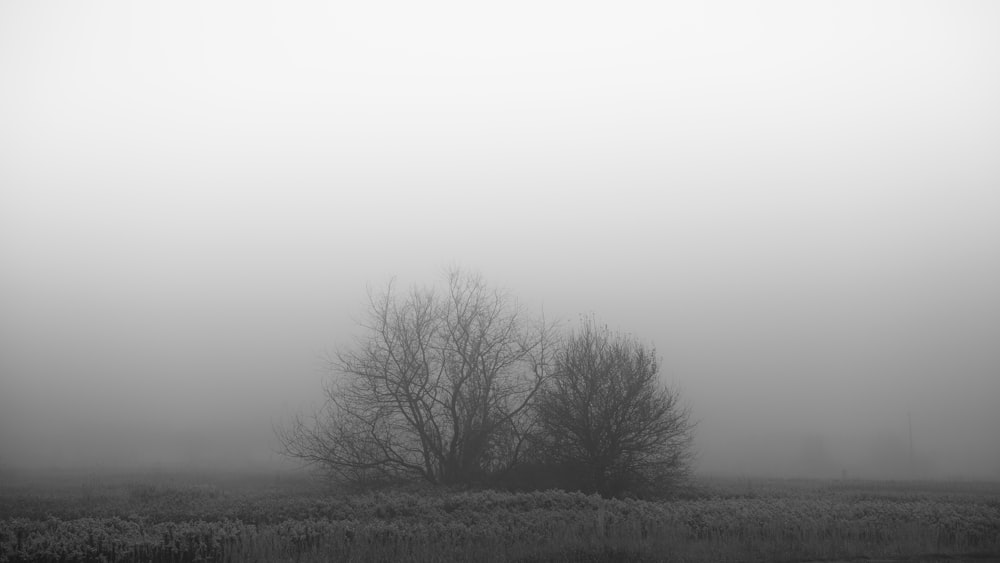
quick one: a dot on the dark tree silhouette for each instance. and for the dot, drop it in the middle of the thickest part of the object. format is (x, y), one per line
(438, 389)
(608, 421)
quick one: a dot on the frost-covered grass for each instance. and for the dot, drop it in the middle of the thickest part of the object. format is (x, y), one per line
(191, 519)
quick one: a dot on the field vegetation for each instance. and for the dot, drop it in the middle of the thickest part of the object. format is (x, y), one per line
(189, 517)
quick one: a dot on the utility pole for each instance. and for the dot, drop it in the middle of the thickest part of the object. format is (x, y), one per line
(909, 424)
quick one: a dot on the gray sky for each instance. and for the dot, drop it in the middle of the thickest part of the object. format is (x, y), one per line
(797, 202)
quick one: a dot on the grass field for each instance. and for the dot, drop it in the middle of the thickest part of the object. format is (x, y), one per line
(73, 516)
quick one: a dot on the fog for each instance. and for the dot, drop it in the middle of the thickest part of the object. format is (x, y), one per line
(797, 203)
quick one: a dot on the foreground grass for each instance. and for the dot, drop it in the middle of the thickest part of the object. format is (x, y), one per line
(195, 519)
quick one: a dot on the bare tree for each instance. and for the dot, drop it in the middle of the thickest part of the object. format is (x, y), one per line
(438, 389)
(607, 419)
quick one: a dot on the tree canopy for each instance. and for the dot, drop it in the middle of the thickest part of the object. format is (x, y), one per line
(438, 388)
(458, 387)
(606, 416)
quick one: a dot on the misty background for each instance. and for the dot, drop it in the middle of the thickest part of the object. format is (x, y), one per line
(797, 203)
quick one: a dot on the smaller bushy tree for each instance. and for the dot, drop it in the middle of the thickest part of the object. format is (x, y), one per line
(606, 422)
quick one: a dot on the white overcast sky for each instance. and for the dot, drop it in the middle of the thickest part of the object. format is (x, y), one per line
(797, 202)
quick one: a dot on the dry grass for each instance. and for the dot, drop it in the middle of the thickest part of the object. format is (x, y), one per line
(178, 518)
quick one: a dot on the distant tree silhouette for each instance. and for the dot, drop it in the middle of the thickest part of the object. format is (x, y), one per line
(607, 422)
(438, 389)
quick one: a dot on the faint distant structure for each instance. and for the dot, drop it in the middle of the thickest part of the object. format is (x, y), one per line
(909, 425)
(888, 456)
(815, 458)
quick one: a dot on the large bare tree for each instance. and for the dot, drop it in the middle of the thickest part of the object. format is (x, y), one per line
(608, 420)
(438, 388)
